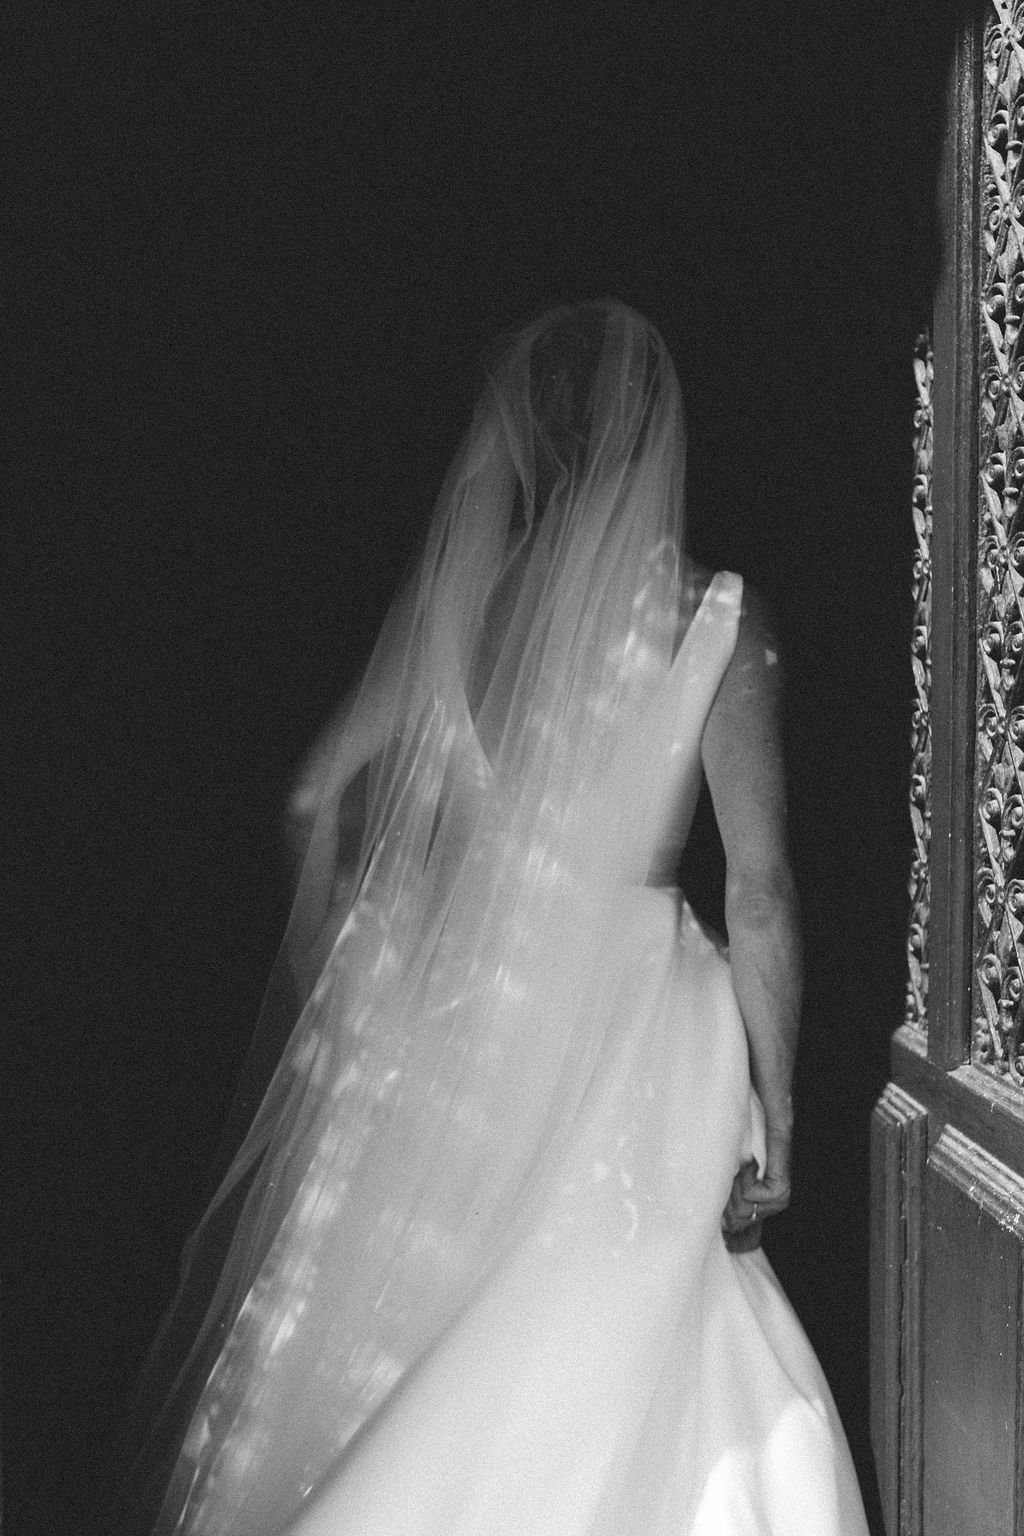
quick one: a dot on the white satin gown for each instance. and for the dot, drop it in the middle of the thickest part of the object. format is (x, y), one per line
(621, 1373)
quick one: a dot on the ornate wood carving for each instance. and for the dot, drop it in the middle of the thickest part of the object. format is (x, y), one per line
(947, 1136)
(999, 825)
(921, 729)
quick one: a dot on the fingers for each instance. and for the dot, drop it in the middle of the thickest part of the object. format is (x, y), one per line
(751, 1201)
(744, 1241)
(772, 1186)
(739, 1215)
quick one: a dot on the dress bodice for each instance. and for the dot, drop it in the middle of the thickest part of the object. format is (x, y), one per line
(525, 1142)
(651, 782)
(665, 753)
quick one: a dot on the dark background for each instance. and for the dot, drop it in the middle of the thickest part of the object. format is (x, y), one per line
(256, 251)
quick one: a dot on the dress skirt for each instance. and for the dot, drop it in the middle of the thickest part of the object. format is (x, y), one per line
(620, 1373)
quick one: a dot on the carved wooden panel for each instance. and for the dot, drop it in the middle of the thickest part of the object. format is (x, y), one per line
(921, 730)
(898, 1145)
(972, 1341)
(947, 1137)
(999, 840)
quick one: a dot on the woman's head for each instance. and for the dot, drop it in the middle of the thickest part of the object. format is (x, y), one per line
(568, 488)
(585, 391)
(563, 369)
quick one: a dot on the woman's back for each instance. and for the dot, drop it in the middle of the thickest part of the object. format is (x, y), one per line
(491, 1166)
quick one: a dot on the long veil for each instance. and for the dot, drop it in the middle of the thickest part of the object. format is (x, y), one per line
(432, 1008)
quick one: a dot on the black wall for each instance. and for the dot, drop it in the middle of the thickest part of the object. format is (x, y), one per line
(262, 245)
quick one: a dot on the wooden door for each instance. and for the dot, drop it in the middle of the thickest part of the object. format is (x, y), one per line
(947, 1136)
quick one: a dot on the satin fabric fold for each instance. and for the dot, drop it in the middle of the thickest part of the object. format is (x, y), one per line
(433, 1051)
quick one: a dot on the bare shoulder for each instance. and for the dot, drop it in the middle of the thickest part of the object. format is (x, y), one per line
(757, 614)
(742, 743)
(758, 654)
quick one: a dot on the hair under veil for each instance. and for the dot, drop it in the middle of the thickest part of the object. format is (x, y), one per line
(430, 1017)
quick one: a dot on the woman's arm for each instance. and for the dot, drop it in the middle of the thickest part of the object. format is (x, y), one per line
(333, 777)
(742, 752)
(348, 741)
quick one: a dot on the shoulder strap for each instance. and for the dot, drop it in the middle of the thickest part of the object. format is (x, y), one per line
(703, 657)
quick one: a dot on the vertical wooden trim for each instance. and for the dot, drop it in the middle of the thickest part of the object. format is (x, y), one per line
(898, 1150)
(1018, 1422)
(886, 1240)
(954, 549)
(915, 1156)
(972, 1405)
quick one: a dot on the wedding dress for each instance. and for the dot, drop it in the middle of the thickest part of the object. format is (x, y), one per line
(479, 1286)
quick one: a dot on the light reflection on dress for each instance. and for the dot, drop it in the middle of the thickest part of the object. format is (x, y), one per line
(633, 1375)
(479, 1286)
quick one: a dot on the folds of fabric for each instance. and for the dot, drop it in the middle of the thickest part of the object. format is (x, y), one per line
(431, 1062)
(617, 1372)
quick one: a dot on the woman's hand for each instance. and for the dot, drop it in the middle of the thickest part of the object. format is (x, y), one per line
(743, 757)
(752, 1199)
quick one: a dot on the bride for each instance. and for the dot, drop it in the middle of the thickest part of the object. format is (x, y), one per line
(492, 1262)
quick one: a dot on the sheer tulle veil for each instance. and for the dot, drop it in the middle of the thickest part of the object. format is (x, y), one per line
(431, 1013)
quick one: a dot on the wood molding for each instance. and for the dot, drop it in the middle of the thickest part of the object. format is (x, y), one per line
(988, 1183)
(953, 556)
(986, 1108)
(899, 1131)
(973, 1254)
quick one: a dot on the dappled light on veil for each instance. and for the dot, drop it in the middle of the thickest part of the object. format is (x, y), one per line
(481, 1195)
